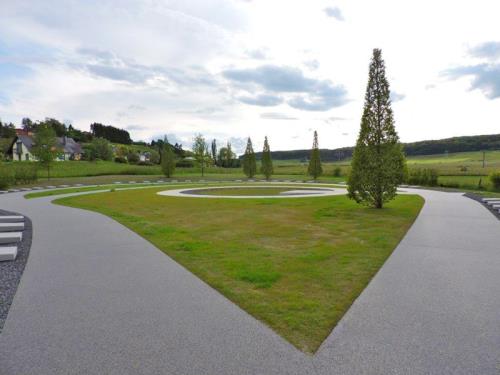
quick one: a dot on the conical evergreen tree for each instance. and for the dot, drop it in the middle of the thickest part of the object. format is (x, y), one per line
(267, 163)
(315, 169)
(249, 164)
(378, 162)
(167, 159)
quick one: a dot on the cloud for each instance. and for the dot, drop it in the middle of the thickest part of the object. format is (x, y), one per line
(257, 54)
(334, 119)
(105, 64)
(261, 100)
(238, 144)
(396, 97)
(304, 93)
(276, 116)
(485, 77)
(489, 50)
(136, 127)
(312, 64)
(334, 12)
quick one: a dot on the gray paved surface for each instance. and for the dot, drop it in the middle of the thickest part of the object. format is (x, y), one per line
(97, 299)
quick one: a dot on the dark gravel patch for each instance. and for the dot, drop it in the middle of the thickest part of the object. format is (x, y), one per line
(479, 198)
(11, 272)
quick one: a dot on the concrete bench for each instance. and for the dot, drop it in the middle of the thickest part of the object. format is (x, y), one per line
(10, 237)
(11, 227)
(8, 253)
(11, 219)
(146, 182)
(491, 203)
(490, 199)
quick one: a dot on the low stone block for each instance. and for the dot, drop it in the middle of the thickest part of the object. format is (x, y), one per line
(8, 253)
(490, 199)
(491, 203)
(10, 237)
(11, 219)
(11, 227)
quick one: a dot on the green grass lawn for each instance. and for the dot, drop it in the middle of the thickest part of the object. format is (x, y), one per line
(295, 264)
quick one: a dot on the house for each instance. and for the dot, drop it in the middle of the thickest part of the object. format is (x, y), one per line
(21, 148)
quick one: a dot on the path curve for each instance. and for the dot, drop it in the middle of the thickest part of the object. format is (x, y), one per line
(96, 298)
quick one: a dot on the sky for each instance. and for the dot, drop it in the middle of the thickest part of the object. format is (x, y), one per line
(232, 69)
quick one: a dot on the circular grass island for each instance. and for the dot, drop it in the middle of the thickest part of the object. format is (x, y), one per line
(251, 192)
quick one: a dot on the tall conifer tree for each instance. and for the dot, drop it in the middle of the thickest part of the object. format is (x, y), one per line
(315, 169)
(267, 163)
(167, 159)
(249, 164)
(378, 162)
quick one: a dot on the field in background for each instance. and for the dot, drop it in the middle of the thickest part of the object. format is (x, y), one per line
(459, 170)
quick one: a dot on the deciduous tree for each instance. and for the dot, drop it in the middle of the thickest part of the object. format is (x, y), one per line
(45, 146)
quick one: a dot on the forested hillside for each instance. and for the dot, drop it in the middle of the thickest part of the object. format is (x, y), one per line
(431, 147)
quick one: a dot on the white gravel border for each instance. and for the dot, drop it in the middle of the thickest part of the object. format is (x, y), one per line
(318, 192)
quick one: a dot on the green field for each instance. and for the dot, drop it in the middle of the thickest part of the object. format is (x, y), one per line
(295, 264)
(460, 170)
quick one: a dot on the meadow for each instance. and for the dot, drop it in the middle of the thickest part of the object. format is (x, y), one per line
(460, 170)
(295, 264)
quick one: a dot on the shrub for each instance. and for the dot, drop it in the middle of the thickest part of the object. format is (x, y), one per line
(25, 173)
(102, 149)
(337, 172)
(154, 157)
(121, 159)
(424, 177)
(495, 180)
(449, 184)
(133, 157)
(144, 163)
(6, 177)
(184, 164)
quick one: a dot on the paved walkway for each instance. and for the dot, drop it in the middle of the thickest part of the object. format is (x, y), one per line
(96, 298)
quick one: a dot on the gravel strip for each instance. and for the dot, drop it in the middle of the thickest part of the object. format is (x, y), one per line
(11, 271)
(479, 198)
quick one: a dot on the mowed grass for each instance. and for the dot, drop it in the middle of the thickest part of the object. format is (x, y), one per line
(295, 264)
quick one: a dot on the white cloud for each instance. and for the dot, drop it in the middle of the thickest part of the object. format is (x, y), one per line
(233, 68)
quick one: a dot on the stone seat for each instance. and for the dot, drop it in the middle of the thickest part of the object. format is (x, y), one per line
(491, 203)
(10, 237)
(11, 227)
(8, 253)
(11, 219)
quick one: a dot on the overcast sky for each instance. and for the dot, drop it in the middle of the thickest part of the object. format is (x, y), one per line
(233, 69)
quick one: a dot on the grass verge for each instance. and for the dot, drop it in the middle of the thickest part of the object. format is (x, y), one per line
(295, 264)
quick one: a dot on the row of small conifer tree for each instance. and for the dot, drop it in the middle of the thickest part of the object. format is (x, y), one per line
(250, 164)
